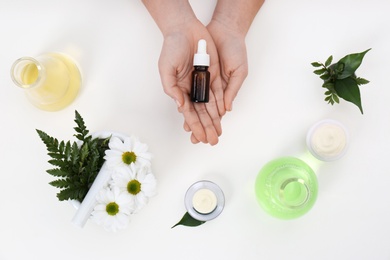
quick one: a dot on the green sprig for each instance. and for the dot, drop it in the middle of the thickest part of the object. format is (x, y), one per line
(340, 80)
(76, 165)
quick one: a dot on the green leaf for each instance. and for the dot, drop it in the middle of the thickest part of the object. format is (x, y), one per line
(339, 68)
(325, 77)
(76, 167)
(320, 71)
(189, 221)
(50, 142)
(335, 98)
(348, 89)
(75, 154)
(74, 193)
(84, 151)
(56, 162)
(57, 172)
(81, 129)
(61, 147)
(56, 155)
(361, 81)
(316, 64)
(328, 85)
(68, 151)
(351, 63)
(60, 183)
(328, 61)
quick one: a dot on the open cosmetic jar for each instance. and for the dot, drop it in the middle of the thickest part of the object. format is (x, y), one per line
(204, 200)
(327, 140)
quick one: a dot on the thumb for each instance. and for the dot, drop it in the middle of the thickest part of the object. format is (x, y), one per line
(169, 82)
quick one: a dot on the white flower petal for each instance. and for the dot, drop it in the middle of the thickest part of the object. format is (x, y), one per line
(100, 215)
(141, 200)
(128, 143)
(100, 207)
(141, 173)
(149, 185)
(126, 202)
(113, 156)
(123, 220)
(110, 154)
(122, 176)
(116, 144)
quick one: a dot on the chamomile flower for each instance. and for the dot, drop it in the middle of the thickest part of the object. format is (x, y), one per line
(138, 183)
(113, 209)
(130, 151)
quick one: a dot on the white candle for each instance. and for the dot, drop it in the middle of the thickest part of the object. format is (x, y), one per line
(204, 201)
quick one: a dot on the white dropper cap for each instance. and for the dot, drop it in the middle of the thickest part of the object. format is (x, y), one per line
(201, 58)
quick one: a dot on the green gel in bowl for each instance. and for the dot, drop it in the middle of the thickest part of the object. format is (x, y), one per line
(286, 188)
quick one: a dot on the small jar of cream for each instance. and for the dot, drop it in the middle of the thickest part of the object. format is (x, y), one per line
(204, 200)
(327, 140)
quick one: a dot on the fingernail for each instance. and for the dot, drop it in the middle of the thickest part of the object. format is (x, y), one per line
(230, 108)
(177, 103)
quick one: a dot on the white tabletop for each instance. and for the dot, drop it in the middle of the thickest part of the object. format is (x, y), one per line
(117, 45)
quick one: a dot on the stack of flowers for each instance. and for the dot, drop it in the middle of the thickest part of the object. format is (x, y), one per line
(131, 185)
(109, 175)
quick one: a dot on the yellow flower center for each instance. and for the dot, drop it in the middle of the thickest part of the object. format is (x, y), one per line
(134, 187)
(112, 208)
(129, 157)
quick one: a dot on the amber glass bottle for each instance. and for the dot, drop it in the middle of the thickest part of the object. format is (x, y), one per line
(200, 87)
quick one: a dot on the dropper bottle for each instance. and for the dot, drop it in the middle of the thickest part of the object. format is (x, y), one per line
(201, 76)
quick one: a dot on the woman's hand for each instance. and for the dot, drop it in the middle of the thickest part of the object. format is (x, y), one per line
(176, 66)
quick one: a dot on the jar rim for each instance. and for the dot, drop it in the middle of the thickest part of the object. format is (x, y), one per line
(19, 65)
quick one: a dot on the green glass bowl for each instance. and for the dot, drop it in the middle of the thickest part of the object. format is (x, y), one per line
(286, 187)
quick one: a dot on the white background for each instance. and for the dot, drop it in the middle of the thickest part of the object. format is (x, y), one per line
(117, 45)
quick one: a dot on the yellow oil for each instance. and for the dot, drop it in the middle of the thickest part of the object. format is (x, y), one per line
(30, 74)
(53, 83)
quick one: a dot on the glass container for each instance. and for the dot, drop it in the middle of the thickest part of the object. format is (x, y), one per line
(286, 187)
(51, 81)
(327, 140)
(210, 192)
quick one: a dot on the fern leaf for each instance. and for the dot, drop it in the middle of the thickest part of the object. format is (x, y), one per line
(60, 183)
(57, 172)
(74, 156)
(61, 147)
(50, 142)
(67, 151)
(74, 193)
(56, 155)
(84, 152)
(57, 162)
(75, 167)
(80, 129)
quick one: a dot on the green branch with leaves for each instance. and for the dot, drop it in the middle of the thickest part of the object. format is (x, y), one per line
(340, 80)
(76, 165)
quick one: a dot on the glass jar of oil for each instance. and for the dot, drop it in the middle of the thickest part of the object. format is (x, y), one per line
(286, 187)
(51, 81)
